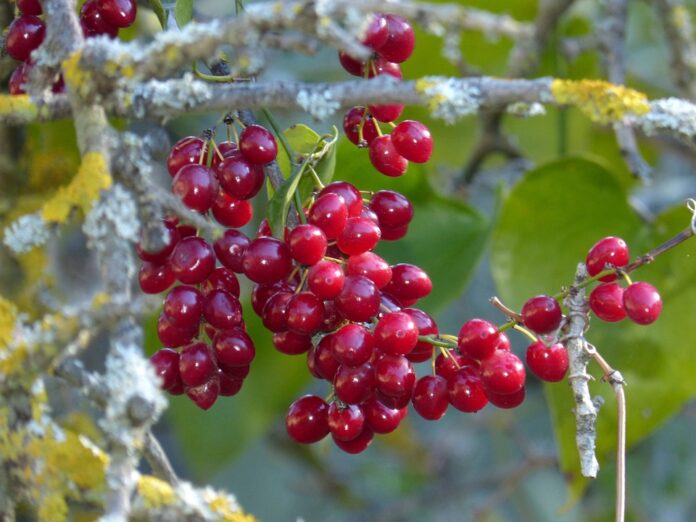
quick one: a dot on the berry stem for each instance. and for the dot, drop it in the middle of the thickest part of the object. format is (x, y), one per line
(315, 177)
(445, 352)
(495, 301)
(437, 341)
(279, 134)
(526, 332)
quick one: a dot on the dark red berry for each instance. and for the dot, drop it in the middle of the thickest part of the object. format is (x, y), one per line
(351, 196)
(352, 345)
(230, 249)
(267, 260)
(93, 23)
(408, 282)
(262, 293)
(307, 244)
(195, 186)
(307, 419)
(33, 7)
(400, 40)
(502, 373)
(229, 386)
(606, 301)
(377, 32)
(380, 418)
(221, 279)
(507, 401)
(413, 141)
(23, 36)
(166, 364)
(184, 306)
(154, 278)
(351, 125)
(236, 372)
(345, 422)
(224, 150)
(19, 78)
(642, 303)
(305, 313)
(351, 65)
(192, 260)
(186, 151)
(478, 339)
(239, 177)
(330, 213)
(385, 159)
(196, 364)
(466, 392)
(395, 376)
(608, 251)
(325, 279)
(549, 363)
(430, 397)
(119, 13)
(354, 385)
(258, 145)
(326, 363)
(233, 347)
(358, 444)
(222, 310)
(358, 300)
(173, 335)
(292, 343)
(275, 312)
(205, 395)
(393, 209)
(370, 265)
(426, 326)
(393, 234)
(163, 254)
(396, 334)
(542, 314)
(447, 365)
(358, 236)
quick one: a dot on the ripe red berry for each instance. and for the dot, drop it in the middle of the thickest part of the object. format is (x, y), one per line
(506, 401)
(222, 310)
(258, 145)
(33, 7)
(426, 326)
(400, 40)
(358, 236)
(19, 78)
(351, 125)
(275, 312)
(381, 66)
(196, 364)
(351, 196)
(305, 313)
(155, 278)
(233, 347)
(358, 444)
(307, 244)
(330, 213)
(23, 36)
(224, 149)
(205, 395)
(262, 293)
(166, 364)
(291, 343)
(386, 113)
(430, 397)
(380, 418)
(370, 265)
(230, 249)
(192, 260)
(447, 365)
(393, 234)
(542, 314)
(345, 422)
(267, 260)
(352, 345)
(606, 301)
(221, 279)
(478, 339)
(385, 158)
(119, 13)
(395, 376)
(163, 254)
(549, 363)
(351, 65)
(188, 150)
(396, 333)
(354, 385)
(358, 300)
(408, 282)
(608, 251)
(377, 32)
(413, 141)
(195, 186)
(642, 303)
(239, 177)
(325, 279)
(466, 392)
(236, 372)
(229, 386)
(307, 419)
(502, 373)
(393, 209)
(326, 364)
(172, 335)
(184, 306)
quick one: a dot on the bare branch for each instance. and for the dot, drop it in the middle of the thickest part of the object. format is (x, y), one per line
(676, 22)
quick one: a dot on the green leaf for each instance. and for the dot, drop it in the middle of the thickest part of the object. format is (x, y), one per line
(324, 168)
(279, 204)
(183, 12)
(158, 9)
(301, 138)
(547, 224)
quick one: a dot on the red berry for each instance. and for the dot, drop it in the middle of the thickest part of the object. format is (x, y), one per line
(184, 152)
(196, 364)
(430, 397)
(155, 278)
(233, 347)
(119, 13)
(262, 293)
(351, 65)
(393, 209)
(351, 197)
(195, 186)
(258, 145)
(23, 36)
(385, 159)
(239, 177)
(358, 444)
(358, 300)
(326, 363)
(413, 141)
(377, 32)
(305, 313)
(267, 260)
(307, 419)
(542, 314)
(393, 234)
(447, 365)
(222, 310)
(345, 422)
(93, 23)
(221, 279)
(192, 260)
(380, 418)
(184, 306)
(352, 345)
(466, 391)
(351, 125)
(400, 40)
(205, 395)
(396, 334)
(358, 236)
(606, 301)
(608, 251)
(386, 114)
(292, 343)
(330, 213)
(506, 401)
(396, 402)
(161, 255)
(354, 385)
(549, 363)
(33, 7)
(19, 78)
(370, 265)
(229, 386)
(171, 334)
(478, 339)
(642, 303)
(275, 312)
(502, 373)
(307, 244)
(381, 66)
(325, 279)
(166, 364)
(408, 282)
(395, 376)
(235, 372)
(230, 249)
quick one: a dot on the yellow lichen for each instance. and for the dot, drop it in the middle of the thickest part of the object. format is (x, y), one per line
(221, 505)
(18, 105)
(601, 101)
(8, 315)
(77, 79)
(680, 16)
(92, 177)
(155, 492)
(434, 100)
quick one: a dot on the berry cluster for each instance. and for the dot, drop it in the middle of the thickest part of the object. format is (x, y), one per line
(208, 296)
(609, 301)
(392, 40)
(27, 32)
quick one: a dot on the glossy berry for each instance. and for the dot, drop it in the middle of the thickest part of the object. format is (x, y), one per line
(408, 282)
(478, 339)
(396, 334)
(93, 23)
(413, 141)
(162, 254)
(330, 213)
(549, 363)
(205, 395)
(221, 279)
(233, 347)
(447, 365)
(502, 373)
(358, 300)
(236, 372)
(400, 40)
(258, 145)
(155, 278)
(393, 209)
(305, 313)
(506, 401)
(326, 363)
(291, 343)
(222, 310)
(381, 66)
(119, 13)
(307, 244)
(606, 301)
(393, 234)
(262, 293)
(351, 126)
(358, 236)
(354, 385)
(239, 177)
(380, 418)
(465, 390)
(195, 186)
(307, 419)
(352, 345)
(395, 376)
(326, 279)
(351, 196)
(230, 249)
(275, 312)
(166, 364)
(642, 303)
(186, 151)
(345, 422)
(370, 265)
(184, 306)
(385, 158)
(172, 335)
(358, 444)
(377, 32)
(426, 326)
(33, 7)
(192, 260)
(229, 386)
(608, 251)
(351, 65)
(386, 113)
(542, 314)
(196, 364)
(23, 36)
(430, 397)
(267, 260)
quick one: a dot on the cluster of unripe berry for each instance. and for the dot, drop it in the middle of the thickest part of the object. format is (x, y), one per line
(27, 32)
(219, 179)
(392, 40)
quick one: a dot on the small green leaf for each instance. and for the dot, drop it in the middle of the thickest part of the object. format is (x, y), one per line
(279, 204)
(301, 138)
(183, 12)
(158, 9)
(324, 169)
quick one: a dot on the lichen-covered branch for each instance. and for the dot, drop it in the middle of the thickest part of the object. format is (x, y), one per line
(679, 33)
